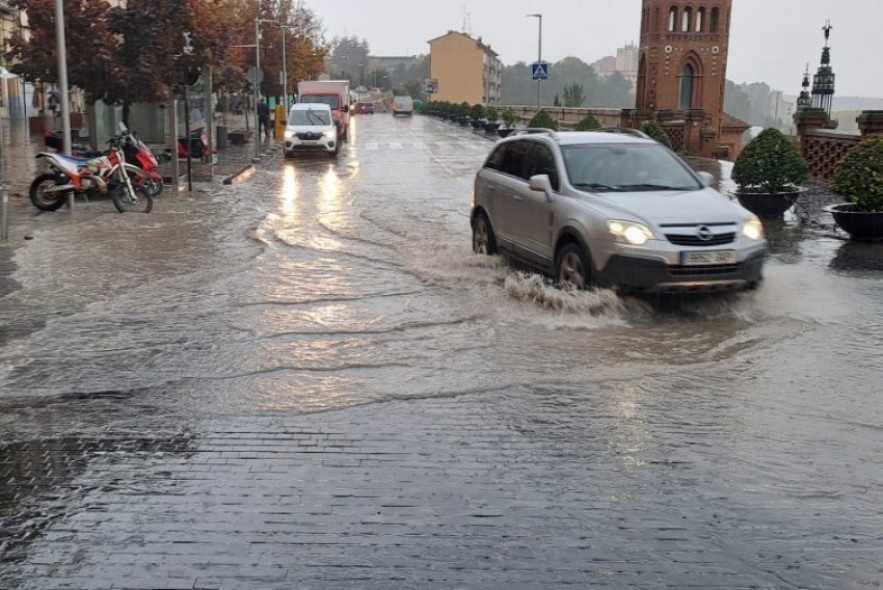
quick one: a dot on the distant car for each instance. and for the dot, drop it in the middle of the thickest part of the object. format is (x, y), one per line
(366, 108)
(613, 210)
(311, 128)
(402, 105)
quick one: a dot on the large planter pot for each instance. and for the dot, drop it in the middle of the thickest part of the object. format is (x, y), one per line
(768, 205)
(860, 225)
(464, 121)
(476, 123)
(505, 131)
(491, 127)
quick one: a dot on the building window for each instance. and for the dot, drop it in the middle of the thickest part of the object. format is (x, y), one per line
(715, 19)
(687, 77)
(688, 16)
(700, 20)
(673, 18)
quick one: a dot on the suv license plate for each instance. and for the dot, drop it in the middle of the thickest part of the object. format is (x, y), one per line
(696, 258)
(309, 142)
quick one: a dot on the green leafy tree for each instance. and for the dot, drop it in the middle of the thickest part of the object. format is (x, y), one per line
(509, 117)
(477, 111)
(655, 130)
(543, 120)
(574, 96)
(771, 163)
(492, 115)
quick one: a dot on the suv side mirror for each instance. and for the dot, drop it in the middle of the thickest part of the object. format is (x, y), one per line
(542, 184)
(706, 177)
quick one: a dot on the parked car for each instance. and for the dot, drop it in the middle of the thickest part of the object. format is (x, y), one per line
(311, 127)
(366, 108)
(402, 105)
(613, 210)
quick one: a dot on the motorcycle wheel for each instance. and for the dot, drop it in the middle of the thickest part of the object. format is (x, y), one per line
(140, 201)
(48, 201)
(153, 185)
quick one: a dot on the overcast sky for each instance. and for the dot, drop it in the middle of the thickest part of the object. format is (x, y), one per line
(771, 40)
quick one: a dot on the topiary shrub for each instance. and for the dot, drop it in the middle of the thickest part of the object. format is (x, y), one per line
(543, 120)
(771, 163)
(477, 111)
(859, 177)
(587, 123)
(655, 131)
(492, 115)
(509, 117)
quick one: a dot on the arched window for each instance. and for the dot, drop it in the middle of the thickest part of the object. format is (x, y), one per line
(673, 19)
(687, 78)
(688, 16)
(700, 19)
(715, 19)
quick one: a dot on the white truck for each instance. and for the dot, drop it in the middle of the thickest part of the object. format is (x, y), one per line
(334, 93)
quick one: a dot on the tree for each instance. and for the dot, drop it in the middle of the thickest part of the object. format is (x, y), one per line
(574, 96)
(543, 120)
(347, 53)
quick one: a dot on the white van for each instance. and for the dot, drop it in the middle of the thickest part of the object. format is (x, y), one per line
(310, 127)
(402, 105)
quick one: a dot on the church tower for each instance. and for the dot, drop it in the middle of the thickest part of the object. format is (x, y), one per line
(682, 70)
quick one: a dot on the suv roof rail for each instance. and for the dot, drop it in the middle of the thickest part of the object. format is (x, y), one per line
(624, 131)
(536, 130)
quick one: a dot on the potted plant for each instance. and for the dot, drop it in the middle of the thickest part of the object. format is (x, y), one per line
(768, 173)
(543, 120)
(859, 179)
(509, 117)
(655, 130)
(463, 113)
(493, 120)
(587, 123)
(477, 114)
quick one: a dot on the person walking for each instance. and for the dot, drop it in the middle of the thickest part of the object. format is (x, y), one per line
(264, 119)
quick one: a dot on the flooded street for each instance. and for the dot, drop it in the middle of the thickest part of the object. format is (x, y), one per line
(733, 441)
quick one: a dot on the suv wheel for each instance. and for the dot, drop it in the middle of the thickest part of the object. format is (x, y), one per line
(483, 241)
(574, 269)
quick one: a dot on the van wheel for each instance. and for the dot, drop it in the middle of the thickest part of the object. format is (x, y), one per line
(573, 269)
(483, 240)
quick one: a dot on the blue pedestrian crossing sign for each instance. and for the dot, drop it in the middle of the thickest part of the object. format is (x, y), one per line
(540, 70)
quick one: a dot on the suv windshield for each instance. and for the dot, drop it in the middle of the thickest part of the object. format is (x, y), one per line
(625, 168)
(300, 117)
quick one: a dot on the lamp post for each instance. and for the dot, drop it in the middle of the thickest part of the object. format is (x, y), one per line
(257, 89)
(539, 17)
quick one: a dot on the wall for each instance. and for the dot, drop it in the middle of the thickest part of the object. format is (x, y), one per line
(457, 64)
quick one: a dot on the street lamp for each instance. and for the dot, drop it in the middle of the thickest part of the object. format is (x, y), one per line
(539, 56)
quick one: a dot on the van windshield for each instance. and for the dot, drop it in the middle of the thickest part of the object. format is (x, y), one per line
(331, 100)
(304, 117)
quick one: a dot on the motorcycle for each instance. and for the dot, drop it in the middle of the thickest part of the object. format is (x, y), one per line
(102, 175)
(138, 154)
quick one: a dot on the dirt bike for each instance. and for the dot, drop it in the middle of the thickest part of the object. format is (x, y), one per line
(135, 150)
(103, 175)
(138, 154)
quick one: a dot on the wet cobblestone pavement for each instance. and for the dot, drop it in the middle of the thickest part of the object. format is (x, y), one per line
(307, 381)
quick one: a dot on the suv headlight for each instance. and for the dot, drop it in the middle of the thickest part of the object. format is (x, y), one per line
(329, 134)
(289, 134)
(753, 229)
(629, 232)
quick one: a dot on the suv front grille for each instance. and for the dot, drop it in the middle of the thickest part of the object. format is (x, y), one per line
(717, 269)
(309, 135)
(694, 240)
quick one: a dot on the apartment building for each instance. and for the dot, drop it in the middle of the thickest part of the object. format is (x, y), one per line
(467, 69)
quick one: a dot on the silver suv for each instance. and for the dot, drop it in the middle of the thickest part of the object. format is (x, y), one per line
(615, 210)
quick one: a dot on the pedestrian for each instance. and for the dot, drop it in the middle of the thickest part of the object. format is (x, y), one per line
(53, 102)
(264, 119)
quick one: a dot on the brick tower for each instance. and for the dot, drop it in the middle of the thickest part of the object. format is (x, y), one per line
(682, 73)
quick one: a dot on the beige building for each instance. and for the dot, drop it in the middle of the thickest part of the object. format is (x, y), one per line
(466, 69)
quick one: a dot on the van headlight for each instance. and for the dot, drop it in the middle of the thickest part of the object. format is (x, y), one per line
(753, 229)
(629, 232)
(288, 134)
(329, 134)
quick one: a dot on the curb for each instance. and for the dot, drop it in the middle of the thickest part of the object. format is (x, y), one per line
(242, 175)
